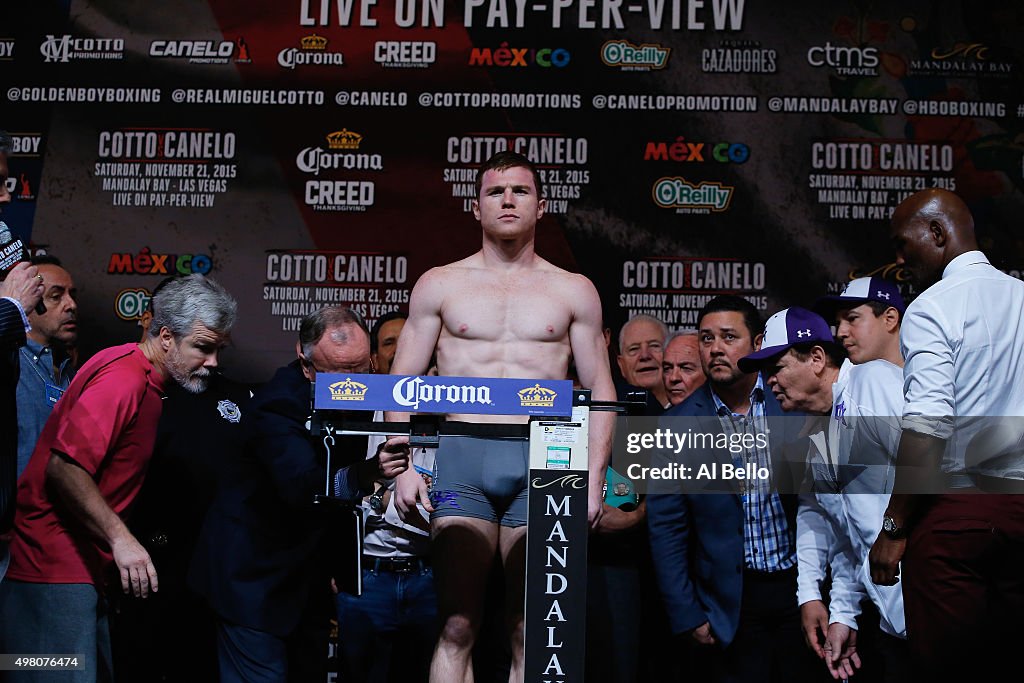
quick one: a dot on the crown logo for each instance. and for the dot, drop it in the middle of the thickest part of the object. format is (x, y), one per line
(348, 390)
(344, 139)
(313, 42)
(537, 396)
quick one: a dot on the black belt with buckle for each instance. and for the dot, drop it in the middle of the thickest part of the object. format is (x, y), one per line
(395, 565)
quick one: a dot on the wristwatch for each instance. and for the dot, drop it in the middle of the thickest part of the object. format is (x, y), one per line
(892, 529)
(377, 499)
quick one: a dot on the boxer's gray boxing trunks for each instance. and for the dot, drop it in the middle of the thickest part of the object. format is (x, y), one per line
(484, 478)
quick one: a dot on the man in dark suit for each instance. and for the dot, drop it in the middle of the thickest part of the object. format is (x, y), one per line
(19, 293)
(259, 561)
(725, 557)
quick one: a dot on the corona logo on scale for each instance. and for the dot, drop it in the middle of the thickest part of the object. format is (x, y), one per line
(537, 397)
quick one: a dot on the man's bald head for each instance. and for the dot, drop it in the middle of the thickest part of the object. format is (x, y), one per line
(929, 229)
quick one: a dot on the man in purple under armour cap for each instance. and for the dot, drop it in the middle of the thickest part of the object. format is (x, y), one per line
(867, 316)
(805, 370)
(795, 336)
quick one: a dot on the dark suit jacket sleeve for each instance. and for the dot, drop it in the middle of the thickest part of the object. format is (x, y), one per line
(280, 442)
(12, 336)
(12, 327)
(669, 525)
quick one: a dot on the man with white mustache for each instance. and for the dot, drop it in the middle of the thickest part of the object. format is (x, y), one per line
(86, 472)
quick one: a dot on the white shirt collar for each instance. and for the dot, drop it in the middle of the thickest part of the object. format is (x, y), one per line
(968, 258)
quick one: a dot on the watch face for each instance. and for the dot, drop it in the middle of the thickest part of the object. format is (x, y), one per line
(888, 524)
(376, 503)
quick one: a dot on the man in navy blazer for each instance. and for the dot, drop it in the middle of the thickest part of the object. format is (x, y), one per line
(725, 550)
(260, 560)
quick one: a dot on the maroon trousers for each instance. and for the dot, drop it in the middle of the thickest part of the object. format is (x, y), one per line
(963, 586)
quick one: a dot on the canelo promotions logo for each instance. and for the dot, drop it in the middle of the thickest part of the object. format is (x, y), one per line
(24, 189)
(201, 51)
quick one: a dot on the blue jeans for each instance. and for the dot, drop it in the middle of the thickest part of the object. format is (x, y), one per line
(389, 632)
(56, 619)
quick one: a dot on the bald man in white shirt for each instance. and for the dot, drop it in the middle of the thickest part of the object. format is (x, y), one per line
(962, 553)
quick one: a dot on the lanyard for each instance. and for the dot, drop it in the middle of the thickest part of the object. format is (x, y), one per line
(51, 386)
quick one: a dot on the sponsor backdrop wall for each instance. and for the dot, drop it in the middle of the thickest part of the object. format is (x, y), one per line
(307, 152)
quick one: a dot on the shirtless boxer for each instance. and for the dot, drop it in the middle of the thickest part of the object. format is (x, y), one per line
(502, 312)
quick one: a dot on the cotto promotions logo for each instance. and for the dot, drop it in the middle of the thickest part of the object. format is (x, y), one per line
(67, 47)
(348, 390)
(629, 57)
(312, 51)
(505, 56)
(340, 154)
(686, 197)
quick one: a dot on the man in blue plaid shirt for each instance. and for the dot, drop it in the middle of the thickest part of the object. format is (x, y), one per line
(726, 560)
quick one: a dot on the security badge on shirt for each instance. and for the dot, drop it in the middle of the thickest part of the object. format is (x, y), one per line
(53, 393)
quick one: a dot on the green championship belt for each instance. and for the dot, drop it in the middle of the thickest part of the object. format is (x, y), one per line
(619, 491)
